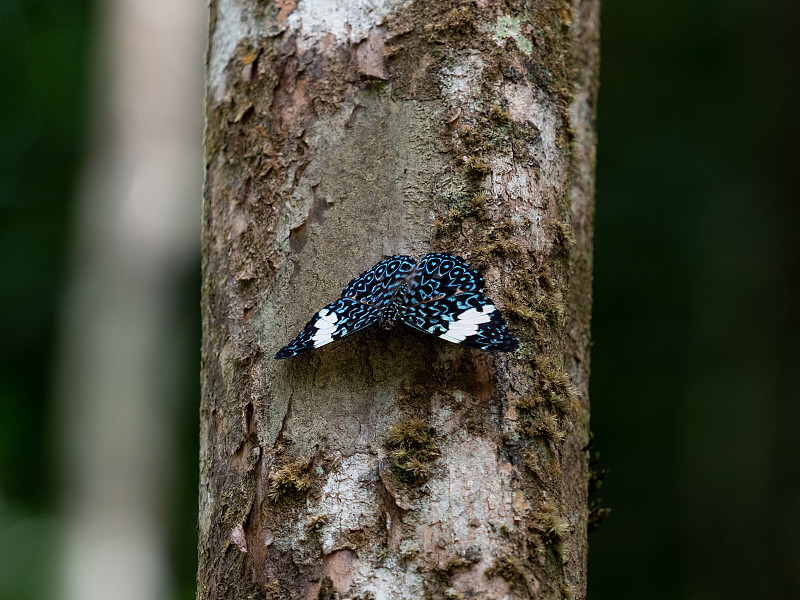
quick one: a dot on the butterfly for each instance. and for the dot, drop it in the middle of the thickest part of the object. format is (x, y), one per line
(440, 295)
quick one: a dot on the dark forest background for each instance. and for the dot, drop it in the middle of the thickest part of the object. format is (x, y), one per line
(695, 384)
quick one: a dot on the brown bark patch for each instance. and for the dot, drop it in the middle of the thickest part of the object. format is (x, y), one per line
(337, 574)
(369, 55)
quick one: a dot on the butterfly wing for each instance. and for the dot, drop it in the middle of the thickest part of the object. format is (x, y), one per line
(377, 285)
(359, 307)
(444, 298)
(338, 319)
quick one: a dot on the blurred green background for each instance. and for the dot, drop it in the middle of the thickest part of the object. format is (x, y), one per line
(695, 383)
(43, 81)
(696, 361)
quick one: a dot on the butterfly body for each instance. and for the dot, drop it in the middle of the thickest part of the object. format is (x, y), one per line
(388, 317)
(440, 295)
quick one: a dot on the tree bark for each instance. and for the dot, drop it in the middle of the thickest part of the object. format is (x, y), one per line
(390, 464)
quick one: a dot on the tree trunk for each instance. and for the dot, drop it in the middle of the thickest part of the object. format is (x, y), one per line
(134, 236)
(340, 133)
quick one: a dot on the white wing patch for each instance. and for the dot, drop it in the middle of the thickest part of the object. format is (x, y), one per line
(467, 324)
(325, 325)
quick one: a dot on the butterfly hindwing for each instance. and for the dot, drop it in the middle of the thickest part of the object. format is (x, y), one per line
(444, 299)
(469, 319)
(338, 319)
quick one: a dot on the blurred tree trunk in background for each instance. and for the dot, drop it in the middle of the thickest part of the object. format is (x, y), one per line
(135, 241)
(340, 133)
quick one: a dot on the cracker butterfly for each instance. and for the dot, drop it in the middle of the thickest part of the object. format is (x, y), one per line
(440, 295)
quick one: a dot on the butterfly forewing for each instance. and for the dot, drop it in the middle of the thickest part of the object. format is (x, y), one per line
(438, 274)
(377, 285)
(338, 319)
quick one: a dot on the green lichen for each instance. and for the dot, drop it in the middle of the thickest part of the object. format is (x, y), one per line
(411, 450)
(508, 27)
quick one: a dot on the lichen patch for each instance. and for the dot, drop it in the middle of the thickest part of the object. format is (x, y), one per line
(349, 499)
(232, 26)
(349, 21)
(509, 27)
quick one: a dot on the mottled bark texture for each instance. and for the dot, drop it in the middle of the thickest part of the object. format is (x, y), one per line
(391, 464)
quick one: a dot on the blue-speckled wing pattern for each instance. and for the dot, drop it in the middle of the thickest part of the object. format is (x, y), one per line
(377, 286)
(441, 296)
(362, 303)
(338, 319)
(444, 298)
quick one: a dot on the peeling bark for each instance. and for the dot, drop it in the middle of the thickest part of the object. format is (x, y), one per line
(340, 133)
